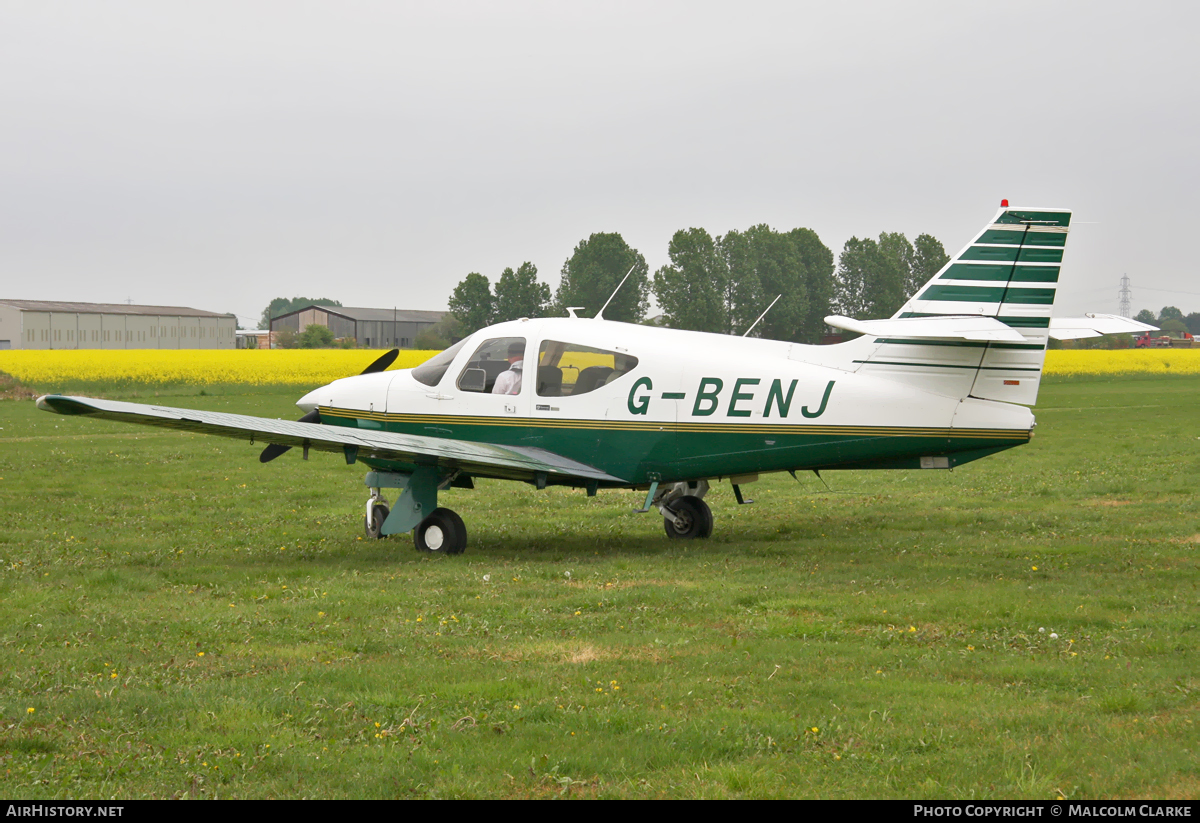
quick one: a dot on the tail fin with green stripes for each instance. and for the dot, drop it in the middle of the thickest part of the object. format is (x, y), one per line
(1001, 288)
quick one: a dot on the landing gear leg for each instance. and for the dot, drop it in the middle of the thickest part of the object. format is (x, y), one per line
(434, 529)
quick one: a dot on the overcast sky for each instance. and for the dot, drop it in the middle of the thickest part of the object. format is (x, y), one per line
(220, 154)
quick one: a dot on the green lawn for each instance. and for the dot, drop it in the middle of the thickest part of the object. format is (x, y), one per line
(180, 620)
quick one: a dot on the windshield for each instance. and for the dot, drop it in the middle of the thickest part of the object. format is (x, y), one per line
(432, 370)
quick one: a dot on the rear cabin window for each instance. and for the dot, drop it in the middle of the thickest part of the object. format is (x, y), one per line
(569, 369)
(492, 359)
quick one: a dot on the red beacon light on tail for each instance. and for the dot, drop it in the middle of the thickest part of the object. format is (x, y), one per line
(1004, 204)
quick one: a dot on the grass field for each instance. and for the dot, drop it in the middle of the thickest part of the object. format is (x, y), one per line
(182, 621)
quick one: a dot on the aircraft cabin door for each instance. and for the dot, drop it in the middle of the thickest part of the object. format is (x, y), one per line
(492, 394)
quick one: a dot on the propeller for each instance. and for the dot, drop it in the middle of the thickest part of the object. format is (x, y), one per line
(380, 364)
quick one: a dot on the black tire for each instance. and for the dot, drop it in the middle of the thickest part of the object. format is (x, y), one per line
(374, 524)
(696, 516)
(442, 532)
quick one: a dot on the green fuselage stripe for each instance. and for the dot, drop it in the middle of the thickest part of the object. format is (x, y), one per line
(688, 450)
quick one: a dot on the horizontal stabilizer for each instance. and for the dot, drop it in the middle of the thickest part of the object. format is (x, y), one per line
(942, 327)
(1095, 325)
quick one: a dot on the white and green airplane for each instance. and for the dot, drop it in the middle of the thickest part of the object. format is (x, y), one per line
(603, 404)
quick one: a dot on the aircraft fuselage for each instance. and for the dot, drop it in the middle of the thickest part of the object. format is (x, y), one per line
(694, 406)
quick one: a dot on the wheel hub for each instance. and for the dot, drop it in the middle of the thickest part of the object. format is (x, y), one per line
(434, 538)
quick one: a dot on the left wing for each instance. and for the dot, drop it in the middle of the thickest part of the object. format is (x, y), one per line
(479, 459)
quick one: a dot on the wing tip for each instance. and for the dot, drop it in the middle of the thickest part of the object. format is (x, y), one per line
(60, 404)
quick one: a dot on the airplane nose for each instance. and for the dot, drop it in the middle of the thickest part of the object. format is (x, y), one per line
(311, 400)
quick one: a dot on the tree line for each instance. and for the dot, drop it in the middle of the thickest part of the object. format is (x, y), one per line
(715, 284)
(1171, 319)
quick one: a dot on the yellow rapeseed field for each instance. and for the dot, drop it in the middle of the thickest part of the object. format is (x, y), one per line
(306, 368)
(1084, 362)
(247, 367)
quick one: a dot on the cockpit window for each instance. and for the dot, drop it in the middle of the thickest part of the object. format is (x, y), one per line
(569, 369)
(496, 367)
(432, 370)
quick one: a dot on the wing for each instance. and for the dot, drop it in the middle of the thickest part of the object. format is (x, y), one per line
(478, 459)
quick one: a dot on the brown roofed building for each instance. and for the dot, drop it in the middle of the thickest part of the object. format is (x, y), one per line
(372, 328)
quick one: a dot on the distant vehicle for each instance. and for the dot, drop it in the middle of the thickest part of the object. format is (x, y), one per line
(592, 403)
(1146, 341)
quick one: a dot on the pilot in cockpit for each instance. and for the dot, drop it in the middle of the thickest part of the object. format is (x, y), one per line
(509, 382)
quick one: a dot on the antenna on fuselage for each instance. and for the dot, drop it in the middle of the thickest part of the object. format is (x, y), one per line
(600, 314)
(761, 316)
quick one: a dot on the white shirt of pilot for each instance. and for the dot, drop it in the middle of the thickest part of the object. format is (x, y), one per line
(509, 382)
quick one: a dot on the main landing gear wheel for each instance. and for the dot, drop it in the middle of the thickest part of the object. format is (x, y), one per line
(693, 519)
(442, 532)
(374, 522)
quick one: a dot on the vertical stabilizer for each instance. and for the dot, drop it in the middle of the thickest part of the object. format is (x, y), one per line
(1008, 272)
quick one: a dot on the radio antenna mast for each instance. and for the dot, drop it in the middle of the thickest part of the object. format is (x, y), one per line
(761, 316)
(600, 314)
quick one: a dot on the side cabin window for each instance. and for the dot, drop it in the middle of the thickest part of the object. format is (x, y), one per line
(496, 367)
(432, 370)
(569, 369)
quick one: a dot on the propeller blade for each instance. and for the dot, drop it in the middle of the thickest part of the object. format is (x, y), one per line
(383, 362)
(274, 449)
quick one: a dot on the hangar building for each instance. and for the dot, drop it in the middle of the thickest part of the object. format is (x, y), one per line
(372, 328)
(51, 324)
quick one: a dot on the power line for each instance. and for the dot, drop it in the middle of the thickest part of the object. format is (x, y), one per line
(1172, 291)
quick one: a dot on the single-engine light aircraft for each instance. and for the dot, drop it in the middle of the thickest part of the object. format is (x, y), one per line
(597, 404)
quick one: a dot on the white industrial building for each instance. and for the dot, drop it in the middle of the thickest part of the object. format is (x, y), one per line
(51, 324)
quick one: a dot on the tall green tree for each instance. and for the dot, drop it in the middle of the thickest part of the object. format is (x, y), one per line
(781, 271)
(595, 269)
(282, 305)
(519, 294)
(1146, 316)
(870, 284)
(743, 295)
(819, 282)
(929, 256)
(902, 256)
(471, 303)
(1169, 313)
(691, 289)
(876, 278)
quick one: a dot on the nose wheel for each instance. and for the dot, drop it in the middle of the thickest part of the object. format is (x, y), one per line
(377, 512)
